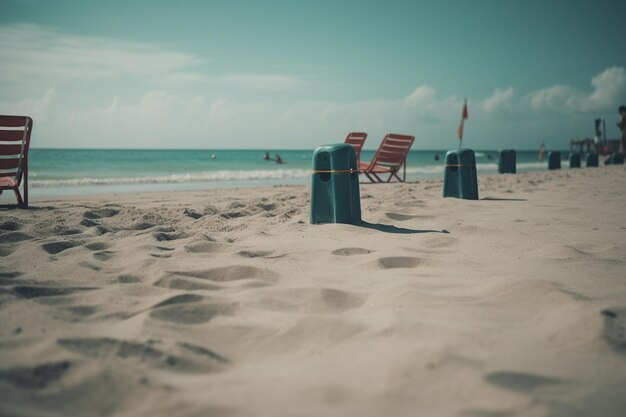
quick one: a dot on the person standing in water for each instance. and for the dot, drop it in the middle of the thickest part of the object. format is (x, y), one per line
(621, 124)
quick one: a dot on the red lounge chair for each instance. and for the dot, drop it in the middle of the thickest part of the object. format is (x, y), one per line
(388, 159)
(356, 139)
(14, 142)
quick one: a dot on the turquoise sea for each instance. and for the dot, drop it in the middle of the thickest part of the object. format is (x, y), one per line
(57, 172)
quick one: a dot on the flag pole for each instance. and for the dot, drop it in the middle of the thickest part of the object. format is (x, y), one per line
(462, 123)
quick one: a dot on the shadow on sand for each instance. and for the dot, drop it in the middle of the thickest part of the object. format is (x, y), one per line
(502, 199)
(398, 230)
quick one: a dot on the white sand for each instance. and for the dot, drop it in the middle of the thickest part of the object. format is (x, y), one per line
(229, 303)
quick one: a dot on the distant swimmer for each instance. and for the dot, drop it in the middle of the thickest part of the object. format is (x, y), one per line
(213, 156)
(621, 124)
(436, 157)
(279, 160)
(267, 156)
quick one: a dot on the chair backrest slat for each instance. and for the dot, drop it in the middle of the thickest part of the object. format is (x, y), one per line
(6, 150)
(12, 163)
(392, 151)
(356, 139)
(14, 143)
(11, 135)
(14, 121)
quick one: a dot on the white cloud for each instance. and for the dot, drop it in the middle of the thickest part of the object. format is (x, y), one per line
(193, 119)
(34, 52)
(498, 99)
(608, 87)
(422, 95)
(263, 81)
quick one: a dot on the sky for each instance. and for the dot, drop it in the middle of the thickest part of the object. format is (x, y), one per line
(261, 74)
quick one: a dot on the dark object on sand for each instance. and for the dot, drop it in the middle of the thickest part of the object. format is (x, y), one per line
(507, 162)
(459, 175)
(554, 160)
(592, 160)
(335, 196)
(574, 160)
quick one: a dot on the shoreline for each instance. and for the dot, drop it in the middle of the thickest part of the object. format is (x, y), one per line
(190, 301)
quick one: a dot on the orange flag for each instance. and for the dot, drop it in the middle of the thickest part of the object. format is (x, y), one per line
(459, 130)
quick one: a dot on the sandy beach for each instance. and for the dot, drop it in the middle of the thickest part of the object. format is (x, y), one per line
(229, 303)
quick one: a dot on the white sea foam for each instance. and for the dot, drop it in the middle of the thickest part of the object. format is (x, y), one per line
(425, 171)
(213, 176)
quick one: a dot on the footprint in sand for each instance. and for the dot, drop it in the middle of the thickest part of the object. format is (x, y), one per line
(82, 311)
(101, 230)
(191, 313)
(98, 246)
(230, 273)
(254, 253)
(128, 279)
(175, 282)
(11, 274)
(4, 251)
(615, 328)
(203, 247)
(234, 214)
(318, 300)
(142, 226)
(14, 237)
(36, 377)
(180, 299)
(88, 223)
(100, 213)
(192, 213)
(398, 262)
(266, 207)
(180, 358)
(65, 231)
(32, 291)
(10, 226)
(104, 255)
(518, 381)
(350, 251)
(166, 237)
(57, 247)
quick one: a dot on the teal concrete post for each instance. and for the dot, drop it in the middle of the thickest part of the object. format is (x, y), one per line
(507, 162)
(459, 176)
(592, 160)
(554, 160)
(335, 194)
(617, 158)
(574, 160)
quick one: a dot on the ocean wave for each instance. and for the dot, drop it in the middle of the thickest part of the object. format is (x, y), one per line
(243, 175)
(214, 176)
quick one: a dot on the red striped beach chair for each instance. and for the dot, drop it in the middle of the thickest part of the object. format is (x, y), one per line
(388, 159)
(14, 143)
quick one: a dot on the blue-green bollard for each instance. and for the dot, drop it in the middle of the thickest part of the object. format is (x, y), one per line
(507, 162)
(592, 160)
(554, 160)
(335, 194)
(574, 160)
(459, 176)
(617, 158)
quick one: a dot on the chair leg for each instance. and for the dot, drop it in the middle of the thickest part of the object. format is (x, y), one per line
(20, 202)
(26, 184)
